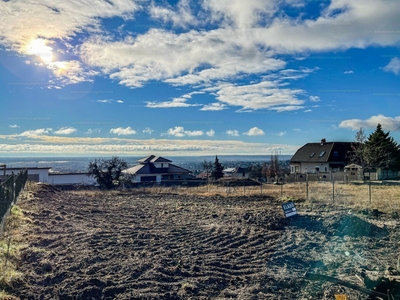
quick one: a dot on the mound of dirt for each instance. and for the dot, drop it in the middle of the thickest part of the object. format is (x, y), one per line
(354, 226)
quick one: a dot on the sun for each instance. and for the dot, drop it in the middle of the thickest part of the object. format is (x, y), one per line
(39, 48)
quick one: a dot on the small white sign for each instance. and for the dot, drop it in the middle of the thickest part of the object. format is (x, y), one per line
(289, 209)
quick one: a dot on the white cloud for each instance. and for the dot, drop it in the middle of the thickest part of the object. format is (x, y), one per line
(179, 18)
(314, 99)
(14, 126)
(65, 130)
(286, 108)
(214, 106)
(24, 21)
(123, 131)
(282, 133)
(348, 72)
(233, 132)
(393, 66)
(109, 101)
(176, 102)
(210, 132)
(180, 131)
(308, 110)
(254, 132)
(148, 130)
(93, 131)
(136, 147)
(71, 72)
(36, 132)
(388, 123)
(297, 129)
(263, 95)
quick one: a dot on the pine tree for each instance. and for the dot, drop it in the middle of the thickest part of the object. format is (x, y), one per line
(217, 169)
(381, 150)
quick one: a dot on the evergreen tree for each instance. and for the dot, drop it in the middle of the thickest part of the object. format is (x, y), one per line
(381, 150)
(217, 169)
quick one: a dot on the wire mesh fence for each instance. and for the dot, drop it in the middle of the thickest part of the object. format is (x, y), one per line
(363, 194)
(10, 188)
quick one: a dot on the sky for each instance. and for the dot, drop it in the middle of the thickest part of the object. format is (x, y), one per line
(205, 77)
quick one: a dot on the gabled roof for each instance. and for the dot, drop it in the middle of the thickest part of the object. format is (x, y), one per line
(322, 152)
(153, 159)
(353, 166)
(149, 168)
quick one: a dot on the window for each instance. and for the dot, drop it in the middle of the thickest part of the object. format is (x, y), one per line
(326, 169)
(162, 165)
(335, 154)
(312, 154)
(322, 154)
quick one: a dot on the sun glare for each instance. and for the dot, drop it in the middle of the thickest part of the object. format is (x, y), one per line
(39, 48)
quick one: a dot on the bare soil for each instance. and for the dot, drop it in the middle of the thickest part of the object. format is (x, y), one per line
(130, 245)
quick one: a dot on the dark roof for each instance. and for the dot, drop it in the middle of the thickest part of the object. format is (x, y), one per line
(322, 152)
(30, 168)
(153, 159)
(70, 173)
(149, 168)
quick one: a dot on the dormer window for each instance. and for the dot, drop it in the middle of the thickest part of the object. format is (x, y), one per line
(335, 154)
(322, 154)
(312, 154)
(162, 165)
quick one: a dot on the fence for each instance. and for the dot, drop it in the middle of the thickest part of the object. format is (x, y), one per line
(10, 188)
(381, 195)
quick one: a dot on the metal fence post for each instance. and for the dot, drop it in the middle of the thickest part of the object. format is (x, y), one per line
(306, 186)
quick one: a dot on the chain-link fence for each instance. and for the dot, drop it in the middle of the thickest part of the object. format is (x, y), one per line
(10, 188)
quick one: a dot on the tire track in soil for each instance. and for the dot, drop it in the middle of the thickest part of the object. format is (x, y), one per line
(130, 246)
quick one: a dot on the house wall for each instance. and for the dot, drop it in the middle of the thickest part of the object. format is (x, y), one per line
(310, 167)
(71, 179)
(42, 173)
(138, 178)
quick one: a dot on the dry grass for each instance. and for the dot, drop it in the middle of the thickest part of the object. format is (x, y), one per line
(385, 198)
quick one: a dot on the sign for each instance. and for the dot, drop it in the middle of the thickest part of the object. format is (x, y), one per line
(289, 209)
(341, 297)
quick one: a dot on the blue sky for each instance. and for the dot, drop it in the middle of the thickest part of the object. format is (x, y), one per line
(138, 77)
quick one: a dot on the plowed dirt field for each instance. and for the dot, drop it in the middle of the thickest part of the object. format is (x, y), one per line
(130, 245)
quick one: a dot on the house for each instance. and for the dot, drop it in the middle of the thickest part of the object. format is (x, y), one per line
(237, 172)
(38, 174)
(45, 175)
(156, 169)
(320, 157)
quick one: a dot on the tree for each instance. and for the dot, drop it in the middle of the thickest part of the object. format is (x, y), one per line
(207, 165)
(256, 172)
(108, 172)
(217, 169)
(273, 168)
(381, 150)
(356, 155)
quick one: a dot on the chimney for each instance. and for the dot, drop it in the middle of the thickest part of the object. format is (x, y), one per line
(323, 141)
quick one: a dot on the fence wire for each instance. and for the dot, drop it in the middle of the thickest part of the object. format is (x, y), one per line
(10, 189)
